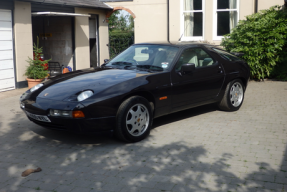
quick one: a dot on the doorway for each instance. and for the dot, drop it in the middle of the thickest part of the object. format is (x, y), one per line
(93, 39)
(55, 35)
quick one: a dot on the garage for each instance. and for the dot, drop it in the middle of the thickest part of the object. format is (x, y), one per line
(7, 76)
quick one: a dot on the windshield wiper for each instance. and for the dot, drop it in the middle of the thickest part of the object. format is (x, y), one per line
(122, 63)
(150, 67)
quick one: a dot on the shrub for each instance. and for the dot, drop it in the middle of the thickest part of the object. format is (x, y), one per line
(263, 38)
(280, 70)
(37, 68)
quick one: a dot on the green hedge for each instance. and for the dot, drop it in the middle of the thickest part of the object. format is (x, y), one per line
(119, 34)
(263, 39)
(119, 41)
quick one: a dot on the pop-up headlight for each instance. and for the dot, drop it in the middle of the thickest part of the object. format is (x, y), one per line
(85, 95)
(36, 87)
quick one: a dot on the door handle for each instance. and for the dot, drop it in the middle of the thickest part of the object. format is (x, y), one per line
(220, 69)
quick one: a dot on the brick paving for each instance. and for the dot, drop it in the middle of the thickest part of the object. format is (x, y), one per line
(201, 149)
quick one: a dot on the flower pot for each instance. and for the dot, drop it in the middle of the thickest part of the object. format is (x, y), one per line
(33, 82)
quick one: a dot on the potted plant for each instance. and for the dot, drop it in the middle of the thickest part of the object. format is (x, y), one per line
(38, 68)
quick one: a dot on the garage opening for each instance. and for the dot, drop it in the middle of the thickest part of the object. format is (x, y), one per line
(56, 37)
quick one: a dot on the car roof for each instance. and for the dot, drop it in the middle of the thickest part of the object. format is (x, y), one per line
(178, 44)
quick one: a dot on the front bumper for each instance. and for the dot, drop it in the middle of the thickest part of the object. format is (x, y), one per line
(38, 112)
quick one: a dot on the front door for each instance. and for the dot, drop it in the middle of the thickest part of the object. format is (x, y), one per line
(203, 84)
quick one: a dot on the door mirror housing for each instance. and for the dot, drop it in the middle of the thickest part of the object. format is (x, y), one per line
(106, 61)
(187, 68)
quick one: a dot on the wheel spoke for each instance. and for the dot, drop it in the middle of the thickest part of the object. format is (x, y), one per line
(130, 122)
(138, 111)
(132, 112)
(237, 88)
(134, 129)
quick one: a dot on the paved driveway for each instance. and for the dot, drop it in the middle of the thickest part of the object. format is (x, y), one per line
(200, 149)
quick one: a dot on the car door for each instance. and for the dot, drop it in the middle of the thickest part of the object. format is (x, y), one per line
(203, 84)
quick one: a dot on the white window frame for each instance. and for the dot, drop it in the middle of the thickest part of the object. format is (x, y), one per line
(183, 38)
(215, 10)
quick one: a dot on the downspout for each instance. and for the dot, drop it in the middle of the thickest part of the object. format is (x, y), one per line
(256, 6)
(168, 21)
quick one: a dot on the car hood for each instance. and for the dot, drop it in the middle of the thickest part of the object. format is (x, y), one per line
(97, 80)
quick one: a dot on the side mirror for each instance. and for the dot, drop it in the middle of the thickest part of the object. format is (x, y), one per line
(238, 54)
(106, 61)
(187, 68)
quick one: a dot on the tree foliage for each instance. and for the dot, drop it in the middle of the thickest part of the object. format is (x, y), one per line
(113, 19)
(132, 23)
(121, 22)
(263, 39)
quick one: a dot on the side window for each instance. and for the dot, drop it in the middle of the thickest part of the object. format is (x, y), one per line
(227, 55)
(195, 55)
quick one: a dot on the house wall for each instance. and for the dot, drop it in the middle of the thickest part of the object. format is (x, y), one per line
(151, 17)
(82, 37)
(23, 37)
(265, 4)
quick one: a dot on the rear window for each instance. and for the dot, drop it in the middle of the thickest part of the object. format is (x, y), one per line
(226, 55)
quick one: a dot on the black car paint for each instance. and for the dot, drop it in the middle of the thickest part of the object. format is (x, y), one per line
(112, 86)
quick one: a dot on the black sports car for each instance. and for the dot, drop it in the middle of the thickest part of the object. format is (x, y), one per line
(145, 81)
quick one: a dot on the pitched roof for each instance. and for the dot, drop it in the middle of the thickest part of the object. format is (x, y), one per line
(74, 3)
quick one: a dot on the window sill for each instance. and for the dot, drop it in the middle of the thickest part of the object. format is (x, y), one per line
(192, 39)
(218, 38)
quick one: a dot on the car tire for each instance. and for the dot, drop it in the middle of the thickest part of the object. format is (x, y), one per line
(233, 96)
(134, 119)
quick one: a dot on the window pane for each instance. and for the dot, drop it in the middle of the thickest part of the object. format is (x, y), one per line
(226, 20)
(196, 56)
(191, 5)
(204, 59)
(193, 24)
(227, 55)
(226, 4)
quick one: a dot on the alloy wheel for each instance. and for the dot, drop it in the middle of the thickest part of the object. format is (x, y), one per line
(137, 120)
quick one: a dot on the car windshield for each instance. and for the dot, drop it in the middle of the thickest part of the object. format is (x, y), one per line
(146, 57)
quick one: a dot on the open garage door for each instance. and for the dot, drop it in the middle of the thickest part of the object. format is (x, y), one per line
(7, 77)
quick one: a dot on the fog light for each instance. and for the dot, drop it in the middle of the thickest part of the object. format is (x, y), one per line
(22, 105)
(54, 112)
(66, 113)
(78, 114)
(59, 113)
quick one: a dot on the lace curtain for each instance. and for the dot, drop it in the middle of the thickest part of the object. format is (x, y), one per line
(232, 14)
(188, 18)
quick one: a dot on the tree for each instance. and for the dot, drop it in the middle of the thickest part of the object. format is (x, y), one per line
(122, 23)
(113, 19)
(132, 23)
